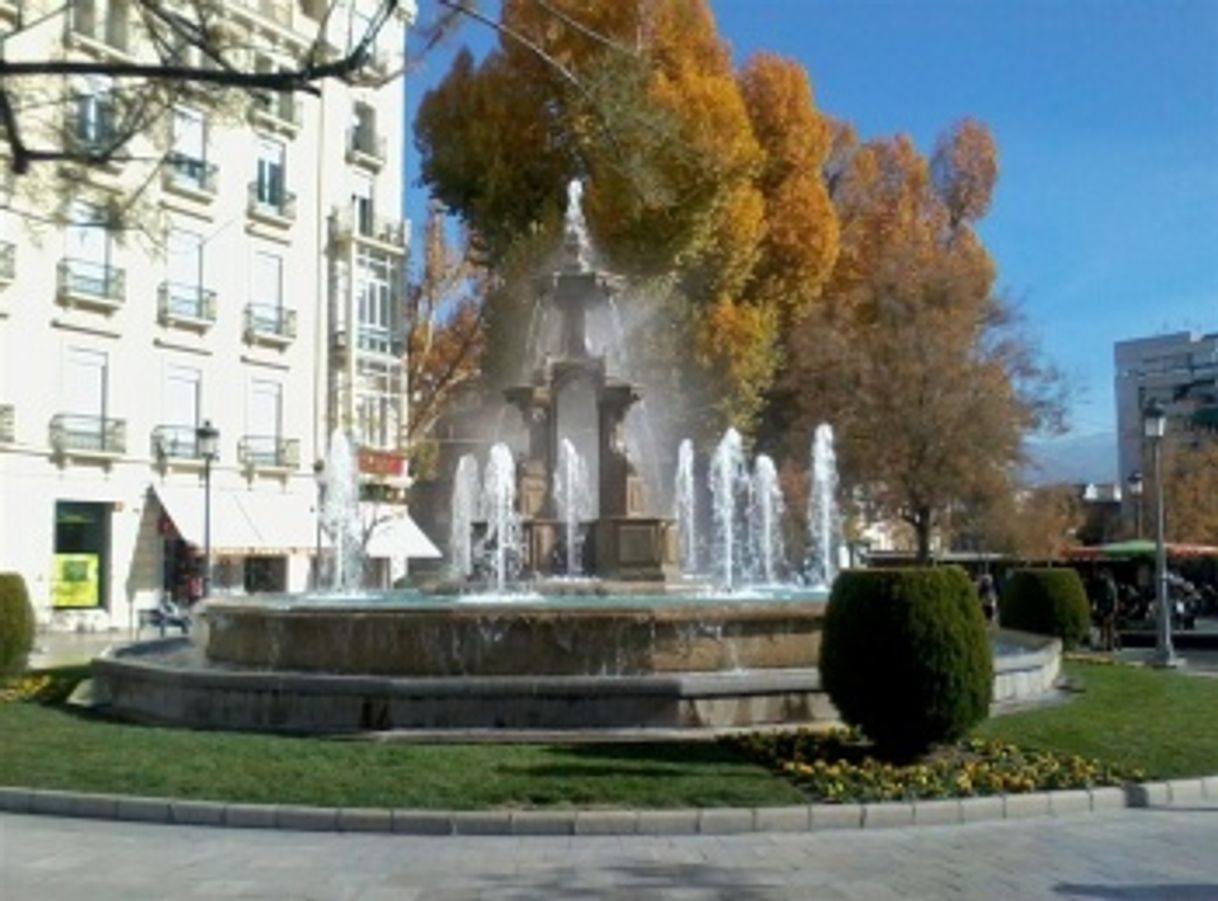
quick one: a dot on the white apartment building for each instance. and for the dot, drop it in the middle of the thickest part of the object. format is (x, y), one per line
(258, 289)
(1180, 371)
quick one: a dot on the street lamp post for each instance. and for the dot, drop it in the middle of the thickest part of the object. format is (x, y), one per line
(1154, 424)
(207, 437)
(1135, 493)
(319, 476)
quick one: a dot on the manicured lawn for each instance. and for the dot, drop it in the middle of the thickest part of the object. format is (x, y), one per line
(47, 747)
(1163, 723)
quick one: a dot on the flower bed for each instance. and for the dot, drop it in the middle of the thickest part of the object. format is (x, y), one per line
(837, 766)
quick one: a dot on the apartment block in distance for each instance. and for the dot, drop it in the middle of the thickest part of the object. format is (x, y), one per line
(258, 288)
(1180, 371)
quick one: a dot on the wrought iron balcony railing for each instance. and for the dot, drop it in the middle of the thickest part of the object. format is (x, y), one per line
(269, 452)
(186, 173)
(90, 127)
(176, 442)
(268, 200)
(185, 304)
(84, 281)
(371, 227)
(8, 261)
(74, 433)
(8, 424)
(270, 322)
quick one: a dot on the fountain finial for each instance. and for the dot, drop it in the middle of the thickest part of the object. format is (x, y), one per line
(575, 232)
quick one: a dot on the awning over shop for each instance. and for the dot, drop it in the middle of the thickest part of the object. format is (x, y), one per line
(242, 523)
(1139, 547)
(396, 536)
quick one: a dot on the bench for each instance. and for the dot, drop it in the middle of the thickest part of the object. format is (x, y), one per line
(164, 616)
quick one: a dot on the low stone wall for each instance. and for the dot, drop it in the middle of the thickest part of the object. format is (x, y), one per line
(138, 684)
(1028, 672)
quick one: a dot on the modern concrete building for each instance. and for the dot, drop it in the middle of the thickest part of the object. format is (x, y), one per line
(1180, 371)
(258, 286)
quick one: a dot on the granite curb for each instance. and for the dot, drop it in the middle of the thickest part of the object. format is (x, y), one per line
(676, 821)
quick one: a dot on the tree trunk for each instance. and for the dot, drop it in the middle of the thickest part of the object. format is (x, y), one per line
(921, 526)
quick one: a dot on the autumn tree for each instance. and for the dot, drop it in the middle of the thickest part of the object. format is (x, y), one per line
(445, 328)
(1036, 523)
(1190, 489)
(922, 368)
(700, 182)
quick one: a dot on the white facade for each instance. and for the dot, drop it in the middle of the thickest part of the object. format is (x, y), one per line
(1179, 370)
(258, 239)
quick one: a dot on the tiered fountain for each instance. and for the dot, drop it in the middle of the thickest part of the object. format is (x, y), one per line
(569, 609)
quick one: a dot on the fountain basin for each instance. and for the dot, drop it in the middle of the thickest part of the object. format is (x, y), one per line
(583, 664)
(541, 639)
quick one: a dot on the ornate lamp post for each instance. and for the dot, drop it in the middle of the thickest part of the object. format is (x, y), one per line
(207, 438)
(1154, 427)
(1135, 493)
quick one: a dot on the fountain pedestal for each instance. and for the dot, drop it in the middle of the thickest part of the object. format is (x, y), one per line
(628, 542)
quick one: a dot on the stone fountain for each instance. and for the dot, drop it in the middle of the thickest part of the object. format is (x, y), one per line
(628, 542)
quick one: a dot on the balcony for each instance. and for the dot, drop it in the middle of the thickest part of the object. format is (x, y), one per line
(365, 148)
(8, 262)
(190, 306)
(270, 324)
(8, 424)
(176, 442)
(191, 177)
(85, 283)
(269, 452)
(384, 233)
(88, 436)
(100, 28)
(277, 111)
(271, 204)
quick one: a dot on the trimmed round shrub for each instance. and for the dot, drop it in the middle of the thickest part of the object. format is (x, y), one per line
(16, 623)
(1047, 602)
(906, 657)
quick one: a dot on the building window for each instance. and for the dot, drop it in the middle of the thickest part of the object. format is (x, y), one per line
(264, 420)
(189, 156)
(93, 125)
(268, 281)
(271, 174)
(374, 303)
(87, 268)
(184, 253)
(183, 401)
(378, 404)
(85, 380)
(361, 205)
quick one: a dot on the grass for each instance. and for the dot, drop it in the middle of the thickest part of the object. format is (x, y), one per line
(51, 747)
(1163, 723)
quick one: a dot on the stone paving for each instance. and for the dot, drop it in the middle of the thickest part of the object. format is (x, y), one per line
(1152, 853)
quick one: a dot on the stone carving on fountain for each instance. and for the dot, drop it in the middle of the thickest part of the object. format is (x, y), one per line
(627, 542)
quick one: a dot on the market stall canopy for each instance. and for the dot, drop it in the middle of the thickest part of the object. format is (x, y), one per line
(1139, 547)
(243, 523)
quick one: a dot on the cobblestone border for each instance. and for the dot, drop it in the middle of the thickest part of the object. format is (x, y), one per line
(684, 821)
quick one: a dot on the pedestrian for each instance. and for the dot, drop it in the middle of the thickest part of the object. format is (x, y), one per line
(988, 595)
(1106, 611)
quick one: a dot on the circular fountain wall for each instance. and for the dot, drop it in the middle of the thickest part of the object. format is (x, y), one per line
(542, 639)
(417, 662)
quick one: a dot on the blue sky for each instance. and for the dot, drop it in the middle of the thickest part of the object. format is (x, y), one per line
(1105, 221)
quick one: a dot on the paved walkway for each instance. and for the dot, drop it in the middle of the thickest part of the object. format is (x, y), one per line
(1131, 854)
